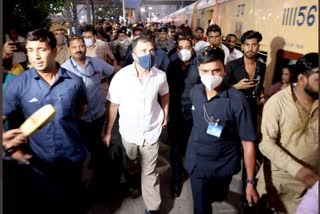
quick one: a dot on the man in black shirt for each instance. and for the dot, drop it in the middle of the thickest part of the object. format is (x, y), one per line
(182, 75)
(221, 126)
(247, 73)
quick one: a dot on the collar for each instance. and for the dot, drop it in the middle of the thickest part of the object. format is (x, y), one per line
(75, 64)
(133, 71)
(61, 73)
(223, 93)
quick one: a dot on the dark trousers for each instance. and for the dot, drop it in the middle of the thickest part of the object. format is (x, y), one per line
(26, 190)
(178, 133)
(91, 132)
(65, 176)
(205, 191)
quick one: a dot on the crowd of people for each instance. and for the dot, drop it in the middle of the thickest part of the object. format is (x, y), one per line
(204, 91)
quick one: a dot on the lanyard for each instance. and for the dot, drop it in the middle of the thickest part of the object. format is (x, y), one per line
(84, 74)
(209, 119)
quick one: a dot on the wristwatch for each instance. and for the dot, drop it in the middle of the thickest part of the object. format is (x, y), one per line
(251, 181)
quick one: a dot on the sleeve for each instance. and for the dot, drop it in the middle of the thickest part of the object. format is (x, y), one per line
(309, 203)
(227, 77)
(165, 63)
(106, 69)
(11, 98)
(81, 99)
(164, 87)
(114, 92)
(269, 145)
(242, 114)
(108, 50)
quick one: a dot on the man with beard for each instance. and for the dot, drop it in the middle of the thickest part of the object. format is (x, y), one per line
(290, 139)
(231, 41)
(91, 70)
(247, 73)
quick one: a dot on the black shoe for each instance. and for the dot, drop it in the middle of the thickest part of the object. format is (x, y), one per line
(150, 211)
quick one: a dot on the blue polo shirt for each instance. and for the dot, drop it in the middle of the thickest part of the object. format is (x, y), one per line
(95, 69)
(210, 156)
(60, 138)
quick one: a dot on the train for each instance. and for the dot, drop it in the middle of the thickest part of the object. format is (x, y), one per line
(289, 27)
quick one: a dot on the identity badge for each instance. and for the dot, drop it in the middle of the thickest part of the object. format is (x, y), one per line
(214, 129)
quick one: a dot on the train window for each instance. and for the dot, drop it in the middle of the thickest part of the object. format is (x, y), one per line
(284, 58)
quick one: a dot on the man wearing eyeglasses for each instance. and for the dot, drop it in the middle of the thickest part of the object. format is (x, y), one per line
(221, 125)
(91, 70)
(134, 92)
(182, 75)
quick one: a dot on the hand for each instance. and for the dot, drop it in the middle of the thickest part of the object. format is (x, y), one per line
(252, 195)
(9, 48)
(262, 101)
(107, 139)
(244, 84)
(13, 137)
(307, 176)
(164, 123)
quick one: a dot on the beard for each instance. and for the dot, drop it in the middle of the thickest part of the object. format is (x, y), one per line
(311, 92)
(250, 55)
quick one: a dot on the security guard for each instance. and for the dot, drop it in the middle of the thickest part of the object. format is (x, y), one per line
(221, 123)
(163, 41)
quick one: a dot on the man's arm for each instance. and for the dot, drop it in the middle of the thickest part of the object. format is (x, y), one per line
(110, 118)
(249, 156)
(269, 146)
(165, 108)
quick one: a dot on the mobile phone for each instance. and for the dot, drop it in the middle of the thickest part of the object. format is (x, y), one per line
(20, 46)
(254, 80)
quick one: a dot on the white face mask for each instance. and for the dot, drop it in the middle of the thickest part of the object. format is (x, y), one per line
(211, 82)
(184, 55)
(88, 42)
(122, 42)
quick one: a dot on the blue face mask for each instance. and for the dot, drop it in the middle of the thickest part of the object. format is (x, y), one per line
(146, 61)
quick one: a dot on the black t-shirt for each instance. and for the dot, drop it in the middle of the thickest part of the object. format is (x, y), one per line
(210, 156)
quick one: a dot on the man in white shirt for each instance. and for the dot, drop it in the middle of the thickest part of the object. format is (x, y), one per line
(214, 40)
(231, 41)
(134, 91)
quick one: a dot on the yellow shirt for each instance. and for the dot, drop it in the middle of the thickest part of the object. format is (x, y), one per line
(16, 69)
(100, 49)
(289, 141)
(62, 54)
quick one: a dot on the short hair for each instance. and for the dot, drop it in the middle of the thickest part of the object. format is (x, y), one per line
(185, 37)
(214, 28)
(90, 28)
(42, 35)
(231, 34)
(136, 29)
(143, 39)
(210, 54)
(72, 38)
(305, 65)
(199, 28)
(251, 34)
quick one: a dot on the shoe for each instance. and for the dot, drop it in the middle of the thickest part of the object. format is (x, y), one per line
(150, 211)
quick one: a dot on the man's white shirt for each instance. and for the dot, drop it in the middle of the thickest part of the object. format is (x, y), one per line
(141, 115)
